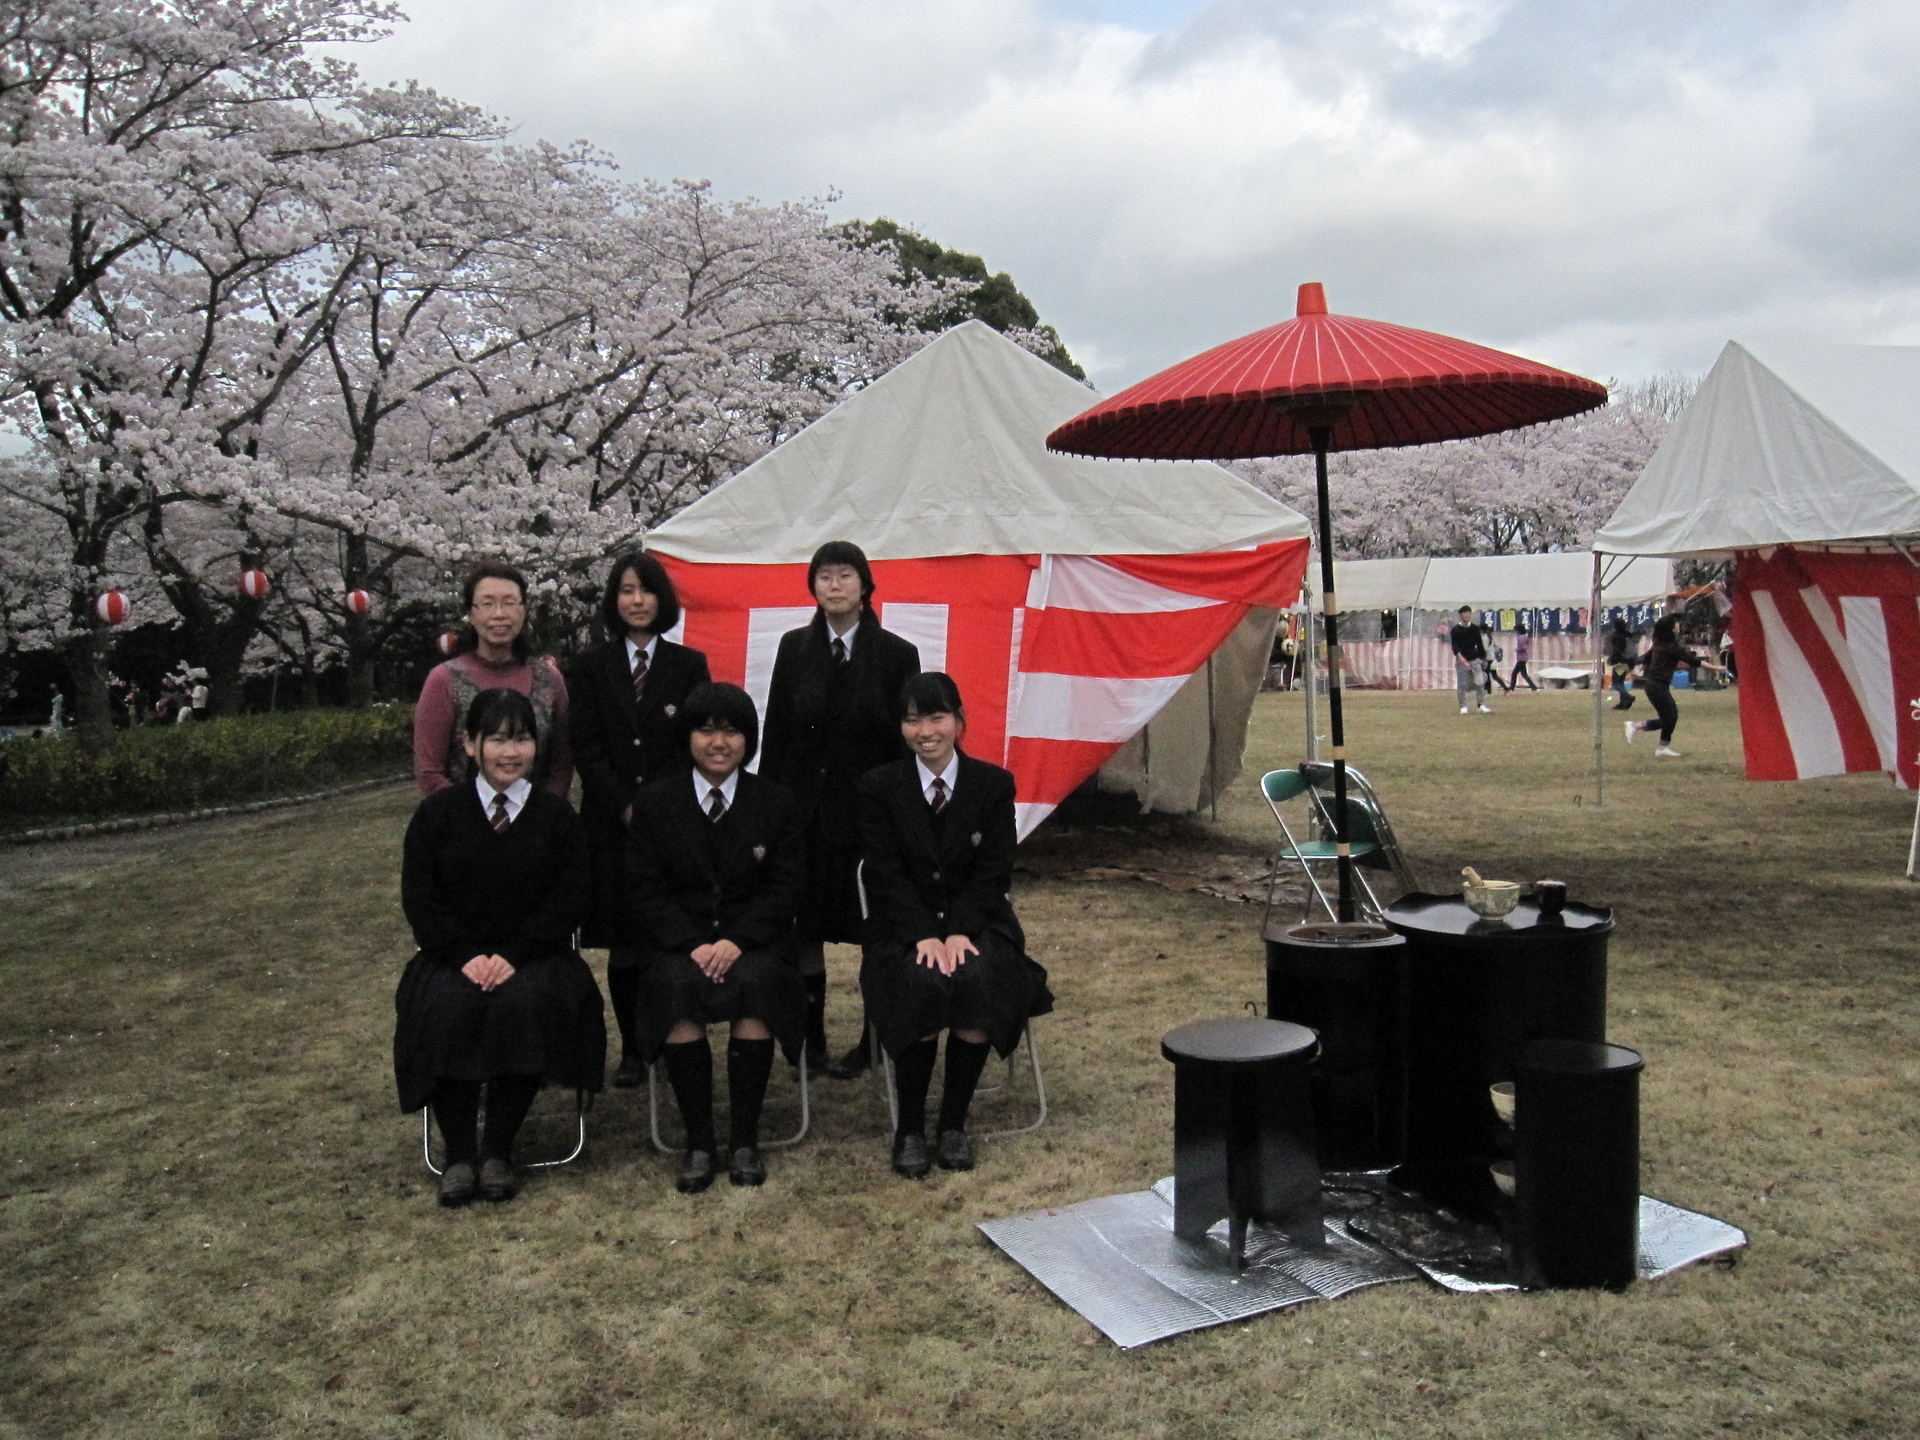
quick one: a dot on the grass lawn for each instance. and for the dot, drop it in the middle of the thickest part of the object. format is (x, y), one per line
(214, 1222)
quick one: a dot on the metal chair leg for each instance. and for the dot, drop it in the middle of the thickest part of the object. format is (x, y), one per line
(582, 1102)
(885, 1069)
(653, 1112)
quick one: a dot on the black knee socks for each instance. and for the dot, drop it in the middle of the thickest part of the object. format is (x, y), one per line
(912, 1076)
(965, 1061)
(456, 1110)
(623, 992)
(509, 1097)
(690, 1072)
(816, 1012)
(749, 1062)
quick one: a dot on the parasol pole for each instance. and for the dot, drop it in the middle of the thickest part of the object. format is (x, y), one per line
(1595, 639)
(1322, 437)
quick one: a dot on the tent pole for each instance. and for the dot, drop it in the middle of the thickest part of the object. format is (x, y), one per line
(1310, 665)
(1913, 846)
(1213, 773)
(1322, 437)
(1599, 689)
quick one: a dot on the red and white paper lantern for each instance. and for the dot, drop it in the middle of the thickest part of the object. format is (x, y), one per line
(447, 641)
(112, 607)
(359, 602)
(254, 584)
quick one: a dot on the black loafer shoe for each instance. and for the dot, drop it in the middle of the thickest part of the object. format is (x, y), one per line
(955, 1150)
(457, 1184)
(910, 1156)
(852, 1065)
(630, 1073)
(496, 1179)
(696, 1173)
(747, 1168)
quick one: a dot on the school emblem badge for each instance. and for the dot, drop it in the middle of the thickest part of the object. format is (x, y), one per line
(669, 710)
(976, 837)
(759, 853)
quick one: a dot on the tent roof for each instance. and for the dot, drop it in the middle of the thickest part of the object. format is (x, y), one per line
(1492, 581)
(946, 455)
(1783, 444)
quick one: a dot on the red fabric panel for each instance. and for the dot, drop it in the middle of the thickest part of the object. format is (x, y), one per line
(1266, 575)
(1857, 744)
(1126, 646)
(1763, 734)
(1051, 770)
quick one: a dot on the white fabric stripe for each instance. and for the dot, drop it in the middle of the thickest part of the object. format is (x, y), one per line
(924, 625)
(1028, 815)
(764, 629)
(1037, 583)
(1079, 582)
(1088, 707)
(678, 634)
(1821, 609)
(1811, 733)
(1013, 674)
(1866, 624)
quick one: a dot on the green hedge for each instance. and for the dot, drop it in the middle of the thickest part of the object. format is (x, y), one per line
(217, 762)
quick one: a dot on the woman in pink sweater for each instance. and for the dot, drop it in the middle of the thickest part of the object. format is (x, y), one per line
(493, 655)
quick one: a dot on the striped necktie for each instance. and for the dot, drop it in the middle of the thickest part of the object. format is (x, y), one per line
(839, 651)
(716, 803)
(639, 673)
(939, 801)
(501, 820)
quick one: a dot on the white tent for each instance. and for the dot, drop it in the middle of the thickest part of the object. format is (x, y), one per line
(1783, 445)
(941, 464)
(1562, 580)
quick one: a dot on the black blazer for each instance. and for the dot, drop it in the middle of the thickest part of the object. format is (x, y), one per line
(927, 878)
(821, 733)
(617, 745)
(691, 880)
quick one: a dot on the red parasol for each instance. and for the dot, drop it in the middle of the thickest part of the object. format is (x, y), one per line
(1316, 383)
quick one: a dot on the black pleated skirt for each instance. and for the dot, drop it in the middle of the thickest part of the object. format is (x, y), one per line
(548, 1020)
(762, 985)
(830, 903)
(995, 992)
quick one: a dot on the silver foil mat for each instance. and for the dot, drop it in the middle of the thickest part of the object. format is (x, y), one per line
(1117, 1262)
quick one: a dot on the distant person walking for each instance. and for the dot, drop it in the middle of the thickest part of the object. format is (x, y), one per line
(1656, 678)
(1522, 653)
(1621, 660)
(1469, 662)
(1494, 656)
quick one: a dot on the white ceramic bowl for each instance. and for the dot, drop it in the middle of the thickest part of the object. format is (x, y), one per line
(1491, 898)
(1503, 1176)
(1502, 1100)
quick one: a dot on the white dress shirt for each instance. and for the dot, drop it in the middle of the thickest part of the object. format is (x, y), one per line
(646, 649)
(703, 789)
(516, 794)
(846, 639)
(927, 777)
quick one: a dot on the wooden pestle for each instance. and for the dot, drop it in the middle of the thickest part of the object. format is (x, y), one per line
(1473, 877)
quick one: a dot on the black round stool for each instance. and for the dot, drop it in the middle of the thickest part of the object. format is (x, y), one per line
(1576, 1118)
(1243, 1138)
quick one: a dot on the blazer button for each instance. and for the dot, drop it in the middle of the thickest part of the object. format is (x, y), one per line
(936, 874)
(636, 739)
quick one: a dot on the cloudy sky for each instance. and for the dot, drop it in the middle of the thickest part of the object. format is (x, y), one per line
(1614, 186)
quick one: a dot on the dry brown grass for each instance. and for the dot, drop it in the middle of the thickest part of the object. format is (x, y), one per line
(216, 1225)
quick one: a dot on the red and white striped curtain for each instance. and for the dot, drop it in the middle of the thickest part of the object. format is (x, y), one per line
(1828, 647)
(1060, 658)
(1423, 662)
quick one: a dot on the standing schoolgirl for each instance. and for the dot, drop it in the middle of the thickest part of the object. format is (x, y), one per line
(714, 865)
(626, 694)
(493, 881)
(830, 719)
(944, 948)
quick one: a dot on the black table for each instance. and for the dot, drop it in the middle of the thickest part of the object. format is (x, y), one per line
(1243, 1143)
(1478, 991)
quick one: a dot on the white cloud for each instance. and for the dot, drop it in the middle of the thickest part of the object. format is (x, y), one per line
(1617, 186)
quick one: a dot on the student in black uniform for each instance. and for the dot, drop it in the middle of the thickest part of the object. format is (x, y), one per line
(830, 719)
(715, 861)
(625, 696)
(493, 882)
(944, 949)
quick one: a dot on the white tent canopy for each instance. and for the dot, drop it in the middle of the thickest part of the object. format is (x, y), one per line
(1783, 445)
(1561, 579)
(946, 455)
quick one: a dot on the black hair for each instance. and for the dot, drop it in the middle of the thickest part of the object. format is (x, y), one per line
(653, 578)
(1664, 630)
(490, 570)
(931, 692)
(1464, 610)
(1620, 625)
(843, 552)
(499, 712)
(717, 703)
(1521, 630)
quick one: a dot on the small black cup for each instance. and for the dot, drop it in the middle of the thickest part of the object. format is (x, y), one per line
(1552, 895)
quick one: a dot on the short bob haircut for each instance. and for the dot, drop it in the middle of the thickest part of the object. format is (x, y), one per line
(653, 579)
(502, 712)
(1666, 630)
(723, 706)
(843, 552)
(491, 570)
(931, 692)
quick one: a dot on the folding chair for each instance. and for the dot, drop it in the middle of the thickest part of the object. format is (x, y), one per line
(582, 1102)
(1282, 786)
(653, 1112)
(1369, 813)
(883, 1072)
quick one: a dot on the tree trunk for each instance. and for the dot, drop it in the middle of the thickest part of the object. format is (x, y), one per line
(85, 653)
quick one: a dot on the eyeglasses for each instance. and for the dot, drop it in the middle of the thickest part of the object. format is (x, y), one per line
(492, 606)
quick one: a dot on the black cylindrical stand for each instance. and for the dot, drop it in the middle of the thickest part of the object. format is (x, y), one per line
(1577, 1164)
(1348, 983)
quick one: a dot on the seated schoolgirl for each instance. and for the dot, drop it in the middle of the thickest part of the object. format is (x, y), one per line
(944, 950)
(715, 862)
(493, 882)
